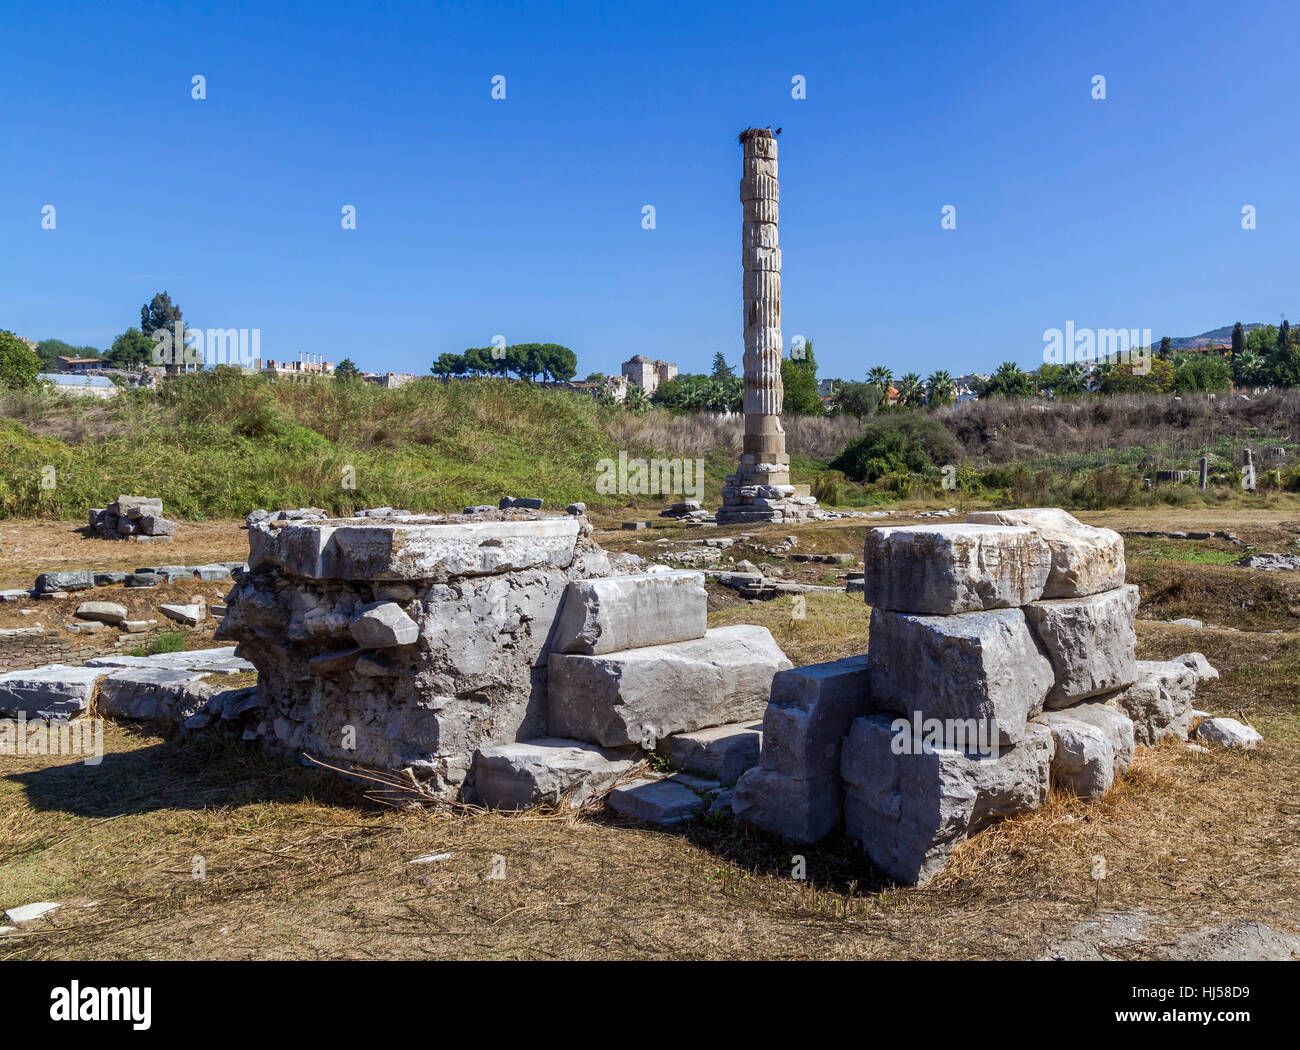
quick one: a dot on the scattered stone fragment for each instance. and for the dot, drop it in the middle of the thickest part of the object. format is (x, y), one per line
(154, 694)
(103, 612)
(1228, 732)
(79, 580)
(109, 579)
(28, 912)
(144, 579)
(189, 615)
(1198, 663)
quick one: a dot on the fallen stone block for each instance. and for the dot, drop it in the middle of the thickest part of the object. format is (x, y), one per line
(56, 691)
(144, 579)
(947, 569)
(189, 615)
(655, 801)
(909, 805)
(1159, 702)
(78, 580)
(792, 808)
(156, 525)
(723, 752)
(28, 912)
(102, 612)
(629, 612)
(381, 625)
(810, 710)
(515, 775)
(109, 579)
(1091, 642)
(983, 672)
(1084, 760)
(154, 694)
(211, 572)
(639, 696)
(1228, 732)
(1085, 560)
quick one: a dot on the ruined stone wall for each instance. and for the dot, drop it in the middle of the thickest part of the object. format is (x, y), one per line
(407, 645)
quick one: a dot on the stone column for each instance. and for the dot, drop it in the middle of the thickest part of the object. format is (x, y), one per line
(760, 490)
(1205, 473)
(764, 460)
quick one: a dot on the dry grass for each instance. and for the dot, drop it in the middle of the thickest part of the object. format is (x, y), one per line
(300, 865)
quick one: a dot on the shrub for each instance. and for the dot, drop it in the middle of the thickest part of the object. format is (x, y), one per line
(898, 444)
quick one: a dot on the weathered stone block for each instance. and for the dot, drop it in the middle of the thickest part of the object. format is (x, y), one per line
(412, 548)
(512, 776)
(640, 696)
(1091, 642)
(629, 612)
(55, 691)
(77, 580)
(381, 625)
(793, 808)
(154, 694)
(1094, 745)
(723, 752)
(909, 804)
(984, 670)
(946, 569)
(1085, 559)
(1159, 702)
(655, 801)
(810, 710)
(1228, 732)
(103, 612)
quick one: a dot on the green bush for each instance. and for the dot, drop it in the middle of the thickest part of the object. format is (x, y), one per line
(898, 444)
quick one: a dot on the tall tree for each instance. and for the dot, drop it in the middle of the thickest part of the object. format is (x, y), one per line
(1238, 339)
(721, 370)
(131, 349)
(942, 389)
(1166, 348)
(19, 363)
(347, 370)
(881, 377)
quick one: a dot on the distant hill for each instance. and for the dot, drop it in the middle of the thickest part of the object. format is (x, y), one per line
(1217, 337)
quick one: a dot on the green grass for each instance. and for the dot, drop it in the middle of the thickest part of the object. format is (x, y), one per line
(168, 642)
(1189, 553)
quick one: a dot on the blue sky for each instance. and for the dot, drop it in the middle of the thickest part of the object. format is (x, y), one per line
(522, 217)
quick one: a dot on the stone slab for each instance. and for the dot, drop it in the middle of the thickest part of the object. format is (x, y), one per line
(57, 691)
(524, 773)
(811, 709)
(629, 612)
(723, 752)
(640, 696)
(792, 808)
(655, 801)
(953, 568)
(411, 549)
(1159, 702)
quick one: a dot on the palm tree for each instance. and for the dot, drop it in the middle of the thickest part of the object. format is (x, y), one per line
(882, 377)
(942, 388)
(1073, 380)
(636, 400)
(909, 389)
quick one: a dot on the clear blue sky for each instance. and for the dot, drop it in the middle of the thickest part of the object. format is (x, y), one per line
(522, 217)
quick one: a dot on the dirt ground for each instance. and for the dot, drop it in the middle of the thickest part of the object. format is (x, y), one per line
(1202, 847)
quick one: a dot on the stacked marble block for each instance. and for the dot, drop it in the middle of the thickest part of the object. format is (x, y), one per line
(633, 668)
(1001, 661)
(750, 503)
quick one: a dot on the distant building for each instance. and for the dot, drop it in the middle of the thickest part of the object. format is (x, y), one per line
(78, 364)
(615, 385)
(393, 380)
(826, 388)
(641, 371)
(307, 366)
(79, 385)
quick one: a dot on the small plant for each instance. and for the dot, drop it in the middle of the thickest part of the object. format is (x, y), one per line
(167, 642)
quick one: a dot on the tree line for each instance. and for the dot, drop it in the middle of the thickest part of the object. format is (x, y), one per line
(526, 360)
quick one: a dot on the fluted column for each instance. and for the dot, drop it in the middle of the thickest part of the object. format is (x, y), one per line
(763, 460)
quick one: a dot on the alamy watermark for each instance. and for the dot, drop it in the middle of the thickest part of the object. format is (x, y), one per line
(206, 346)
(81, 736)
(975, 736)
(650, 477)
(1087, 346)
